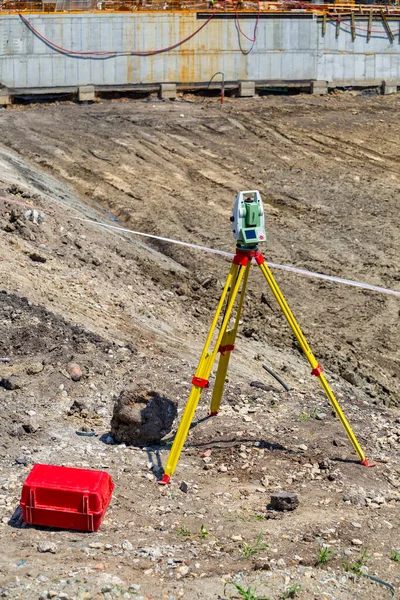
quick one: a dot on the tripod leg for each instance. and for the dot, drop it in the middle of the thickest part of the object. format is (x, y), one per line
(200, 380)
(227, 345)
(316, 368)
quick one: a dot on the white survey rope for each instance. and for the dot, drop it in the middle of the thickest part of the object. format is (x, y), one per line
(358, 284)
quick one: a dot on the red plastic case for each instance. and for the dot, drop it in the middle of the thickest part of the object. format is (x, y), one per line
(66, 498)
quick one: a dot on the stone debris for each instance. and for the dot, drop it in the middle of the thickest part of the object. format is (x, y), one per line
(284, 501)
(141, 416)
(126, 545)
(37, 217)
(35, 257)
(31, 425)
(34, 368)
(184, 487)
(78, 407)
(47, 547)
(10, 383)
(74, 371)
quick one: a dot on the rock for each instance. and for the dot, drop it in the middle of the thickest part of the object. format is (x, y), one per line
(141, 416)
(23, 460)
(379, 500)
(34, 368)
(126, 545)
(284, 501)
(351, 377)
(206, 282)
(356, 525)
(74, 371)
(281, 563)
(222, 468)
(356, 542)
(10, 383)
(262, 386)
(17, 430)
(184, 487)
(339, 443)
(37, 257)
(261, 564)
(206, 453)
(31, 425)
(47, 547)
(320, 416)
(183, 571)
(77, 407)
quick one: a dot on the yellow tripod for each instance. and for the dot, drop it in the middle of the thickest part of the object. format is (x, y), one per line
(237, 278)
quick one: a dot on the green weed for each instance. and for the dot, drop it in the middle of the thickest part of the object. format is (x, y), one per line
(324, 555)
(356, 567)
(250, 518)
(303, 417)
(203, 532)
(291, 592)
(395, 556)
(248, 550)
(249, 594)
(183, 531)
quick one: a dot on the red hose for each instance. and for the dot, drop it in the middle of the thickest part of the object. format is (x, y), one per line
(255, 26)
(173, 46)
(114, 53)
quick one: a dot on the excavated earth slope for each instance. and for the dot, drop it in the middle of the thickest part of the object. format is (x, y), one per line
(128, 309)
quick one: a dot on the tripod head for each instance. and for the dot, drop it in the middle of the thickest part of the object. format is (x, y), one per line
(248, 220)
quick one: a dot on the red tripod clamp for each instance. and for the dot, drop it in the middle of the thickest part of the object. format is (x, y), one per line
(242, 257)
(200, 382)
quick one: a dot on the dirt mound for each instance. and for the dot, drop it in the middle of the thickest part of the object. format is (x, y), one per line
(33, 330)
(141, 416)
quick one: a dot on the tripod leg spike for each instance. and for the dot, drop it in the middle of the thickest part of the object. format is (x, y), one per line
(316, 368)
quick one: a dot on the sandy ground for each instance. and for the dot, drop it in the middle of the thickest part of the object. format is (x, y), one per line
(126, 309)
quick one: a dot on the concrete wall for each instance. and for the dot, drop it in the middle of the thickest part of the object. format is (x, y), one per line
(344, 61)
(287, 49)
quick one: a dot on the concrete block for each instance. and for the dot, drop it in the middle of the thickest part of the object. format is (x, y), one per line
(247, 89)
(319, 88)
(167, 91)
(389, 87)
(86, 93)
(5, 98)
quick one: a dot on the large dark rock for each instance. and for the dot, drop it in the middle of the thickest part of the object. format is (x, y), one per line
(141, 416)
(284, 501)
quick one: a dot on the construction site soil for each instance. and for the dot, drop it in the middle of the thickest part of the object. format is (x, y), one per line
(130, 309)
